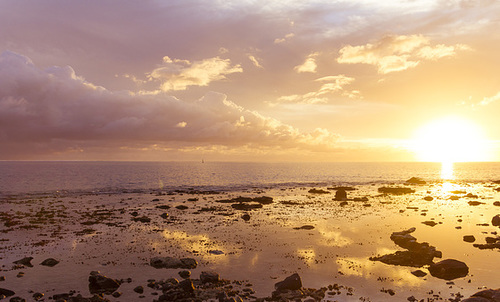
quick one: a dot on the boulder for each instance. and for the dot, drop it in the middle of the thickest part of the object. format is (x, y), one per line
(185, 274)
(100, 284)
(318, 191)
(245, 217)
(487, 295)
(449, 269)
(416, 181)
(49, 262)
(209, 277)
(6, 292)
(26, 261)
(496, 220)
(246, 206)
(396, 190)
(341, 195)
(292, 282)
(170, 262)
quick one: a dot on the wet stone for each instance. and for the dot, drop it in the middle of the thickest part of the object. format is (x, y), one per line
(49, 262)
(469, 238)
(449, 269)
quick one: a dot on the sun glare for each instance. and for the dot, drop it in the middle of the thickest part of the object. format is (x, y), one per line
(450, 140)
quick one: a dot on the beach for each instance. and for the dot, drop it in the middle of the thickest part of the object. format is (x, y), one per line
(250, 240)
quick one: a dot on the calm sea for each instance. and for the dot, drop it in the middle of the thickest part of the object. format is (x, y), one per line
(45, 177)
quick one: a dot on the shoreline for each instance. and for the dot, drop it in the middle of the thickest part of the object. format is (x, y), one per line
(297, 232)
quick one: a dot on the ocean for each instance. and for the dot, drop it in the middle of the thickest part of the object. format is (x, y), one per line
(17, 177)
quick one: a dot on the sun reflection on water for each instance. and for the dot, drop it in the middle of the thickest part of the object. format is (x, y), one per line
(447, 170)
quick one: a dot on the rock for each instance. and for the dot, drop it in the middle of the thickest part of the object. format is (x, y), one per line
(340, 195)
(419, 273)
(99, 284)
(143, 219)
(496, 220)
(304, 227)
(181, 207)
(475, 203)
(26, 261)
(216, 252)
(164, 215)
(246, 206)
(396, 190)
(17, 299)
(318, 191)
(496, 203)
(292, 282)
(139, 289)
(470, 195)
(169, 262)
(50, 262)
(343, 203)
(417, 254)
(116, 294)
(209, 277)
(428, 198)
(449, 269)
(469, 238)
(185, 274)
(6, 292)
(37, 296)
(430, 223)
(416, 181)
(263, 200)
(186, 285)
(245, 217)
(487, 295)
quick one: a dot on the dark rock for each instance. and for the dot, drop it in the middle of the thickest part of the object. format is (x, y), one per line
(430, 223)
(304, 227)
(186, 285)
(496, 220)
(428, 198)
(6, 292)
(292, 282)
(396, 190)
(26, 261)
(416, 181)
(342, 188)
(164, 215)
(116, 294)
(139, 289)
(343, 203)
(169, 262)
(341, 195)
(246, 206)
(50, 262)
(216, 252)
(417, 254)
(318, 191)
(185, 274)
(470, 195)
(419, 273)
(449, 269)
(143, 219)
(209, 277)
(496, 203)
(37, 296)
(135, 214)
(469, 238)
(263, 200)
(163, 207)
(487, 295)
(475, 203)
(245, 217)
(99, 284)
(181, 207)
(17, 299)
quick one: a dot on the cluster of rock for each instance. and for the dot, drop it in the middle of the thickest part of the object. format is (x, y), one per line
(247, 203)
(420, 254)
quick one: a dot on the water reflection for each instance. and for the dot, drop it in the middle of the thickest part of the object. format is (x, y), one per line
(447, 170)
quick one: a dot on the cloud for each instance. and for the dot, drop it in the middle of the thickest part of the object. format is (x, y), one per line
(488, 100)
(180, 74)
(286, 38)
(331, 85)
(255, 62)
(54, 110)
(309, 64)
(396, 53)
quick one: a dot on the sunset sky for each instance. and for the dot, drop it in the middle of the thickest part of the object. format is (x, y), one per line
(249, 80)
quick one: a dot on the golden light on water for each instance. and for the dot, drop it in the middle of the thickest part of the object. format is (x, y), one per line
(447, 170)
(449, 140)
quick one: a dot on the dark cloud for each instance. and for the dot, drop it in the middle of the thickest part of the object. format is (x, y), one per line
(56, 108)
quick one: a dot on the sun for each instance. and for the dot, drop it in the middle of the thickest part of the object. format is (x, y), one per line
(450, 139)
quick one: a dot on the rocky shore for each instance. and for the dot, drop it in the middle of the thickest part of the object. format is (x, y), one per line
(333, 243)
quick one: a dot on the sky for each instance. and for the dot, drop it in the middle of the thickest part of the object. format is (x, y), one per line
(248, 80)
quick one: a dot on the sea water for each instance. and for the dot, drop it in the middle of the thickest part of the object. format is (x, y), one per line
(43, 177)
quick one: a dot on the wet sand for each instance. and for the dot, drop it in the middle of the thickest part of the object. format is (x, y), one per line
(327, 242)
